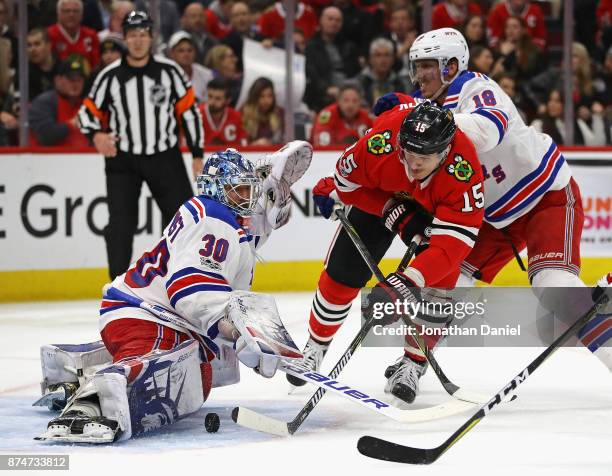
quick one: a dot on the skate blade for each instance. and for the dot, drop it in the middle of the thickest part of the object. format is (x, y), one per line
(74, 439)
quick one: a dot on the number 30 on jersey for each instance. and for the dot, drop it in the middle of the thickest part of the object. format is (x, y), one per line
(473, 198)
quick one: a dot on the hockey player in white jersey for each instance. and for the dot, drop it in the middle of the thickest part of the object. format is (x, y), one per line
(530, 198)
(169, 331)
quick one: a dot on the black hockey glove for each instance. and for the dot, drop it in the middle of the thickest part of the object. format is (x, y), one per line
(406, 218)
(396, 287)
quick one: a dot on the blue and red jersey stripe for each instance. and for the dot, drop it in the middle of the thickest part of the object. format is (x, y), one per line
(192, 280)
(528, 189)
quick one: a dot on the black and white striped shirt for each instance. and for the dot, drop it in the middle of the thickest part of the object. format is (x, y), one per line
(142, 106)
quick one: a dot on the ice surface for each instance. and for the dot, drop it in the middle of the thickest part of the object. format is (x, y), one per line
(561, 423)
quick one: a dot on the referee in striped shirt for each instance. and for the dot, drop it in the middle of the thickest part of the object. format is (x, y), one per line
(132, 115)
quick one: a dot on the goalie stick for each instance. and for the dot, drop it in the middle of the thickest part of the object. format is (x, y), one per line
(389, 451)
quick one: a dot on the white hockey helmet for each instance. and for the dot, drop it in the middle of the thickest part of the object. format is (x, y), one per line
(442, 45)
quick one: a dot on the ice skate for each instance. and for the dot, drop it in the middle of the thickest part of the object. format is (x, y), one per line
(313, 356)
(403, 379)
(79, 426)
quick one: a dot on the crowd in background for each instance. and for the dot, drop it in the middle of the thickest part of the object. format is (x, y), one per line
(355, 50)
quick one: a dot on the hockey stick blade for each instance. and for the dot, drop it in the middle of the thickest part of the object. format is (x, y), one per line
(388, 451)
(256, 421)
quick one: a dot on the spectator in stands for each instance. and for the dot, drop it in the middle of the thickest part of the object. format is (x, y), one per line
(520, 54)
(361, 24)
(378, 77)
(603, 36)
(452, 13)
(222, 61)
(8, 118)
(218, 17)
(6, 31)
(530, 13)
(507, 82)
(474, 30)
(193, 22)
(261, 117)
(119, 10)
(222, 124)
(69, 38)
(43, 63)
(553, 78)
(402, 32)
(181, 49)
(603, 81)
(330, 60)
(169, 18)
(241, 26)
(272, 22)
(97, 13)
(343, 122)
(52, 115)
(589, 127)
(112, 48)
(483, 61)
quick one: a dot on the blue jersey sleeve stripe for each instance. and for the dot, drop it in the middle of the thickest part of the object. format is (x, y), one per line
(494, 119)
(195, 289)
(193, 211)
(191, 270)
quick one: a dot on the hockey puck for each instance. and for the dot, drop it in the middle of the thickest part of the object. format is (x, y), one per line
(212, 423)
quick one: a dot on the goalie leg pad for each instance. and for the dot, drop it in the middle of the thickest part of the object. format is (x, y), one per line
(148, 392)
(64, 363)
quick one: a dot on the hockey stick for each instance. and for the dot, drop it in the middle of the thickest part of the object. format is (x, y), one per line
(452, 389)
(389, 451)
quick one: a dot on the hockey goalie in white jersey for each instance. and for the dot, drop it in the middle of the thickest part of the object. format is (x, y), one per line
(170, 328)
(530, 198)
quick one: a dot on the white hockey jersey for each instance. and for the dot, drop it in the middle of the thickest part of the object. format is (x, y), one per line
(202, 256)
(519, 163)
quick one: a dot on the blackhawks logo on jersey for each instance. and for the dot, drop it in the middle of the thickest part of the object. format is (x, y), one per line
(324, 117)
(380, 143)
(462, 170)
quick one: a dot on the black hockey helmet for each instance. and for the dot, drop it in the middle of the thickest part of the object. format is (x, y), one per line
(427, 129)
(137, 19)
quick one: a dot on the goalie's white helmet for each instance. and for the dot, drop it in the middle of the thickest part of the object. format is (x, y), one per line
(442, 45)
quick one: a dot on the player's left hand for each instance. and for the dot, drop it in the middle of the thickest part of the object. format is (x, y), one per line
(406, 218)
(324, 195)
(385, 102)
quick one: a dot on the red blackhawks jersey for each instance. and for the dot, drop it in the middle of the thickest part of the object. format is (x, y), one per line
(229, 132)
(85, 44)
(272, 22)
(331, 128)
(370, 173)
(447, 15)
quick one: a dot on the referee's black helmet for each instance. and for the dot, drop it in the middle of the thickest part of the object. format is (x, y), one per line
(137, 19)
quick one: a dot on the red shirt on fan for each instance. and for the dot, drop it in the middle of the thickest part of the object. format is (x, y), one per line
(272, 22)
(86, 44)
(331, 128)
(229, 132)
(215, 26)
(447, 15)
(370, 173)
(532, 16)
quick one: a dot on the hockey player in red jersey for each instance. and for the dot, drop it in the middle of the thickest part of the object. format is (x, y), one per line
(412, 170)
